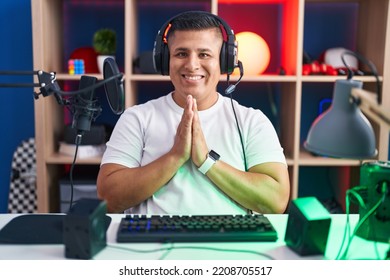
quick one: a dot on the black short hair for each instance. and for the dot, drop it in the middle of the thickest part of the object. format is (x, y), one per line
(194, 20)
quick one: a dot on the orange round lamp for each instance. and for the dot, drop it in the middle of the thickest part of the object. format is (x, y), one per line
(253, 52)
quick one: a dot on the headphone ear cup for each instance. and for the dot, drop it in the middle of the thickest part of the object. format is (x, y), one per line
(228, 57)
(161, 55)
(165, 60)
(223, 59)
(157, 54)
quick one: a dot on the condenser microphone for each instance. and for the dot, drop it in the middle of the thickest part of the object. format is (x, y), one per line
(114, 86)
(84, 106)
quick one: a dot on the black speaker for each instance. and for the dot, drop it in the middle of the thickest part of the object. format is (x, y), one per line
(228, 55)
(307, 226)
(84, 229)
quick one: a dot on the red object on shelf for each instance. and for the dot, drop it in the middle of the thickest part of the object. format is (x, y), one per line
(317, 68)
(89, 55)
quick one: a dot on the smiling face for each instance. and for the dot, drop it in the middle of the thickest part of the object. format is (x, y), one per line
(194, 65)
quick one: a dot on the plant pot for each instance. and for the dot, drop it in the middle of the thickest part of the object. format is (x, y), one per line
(100, 61)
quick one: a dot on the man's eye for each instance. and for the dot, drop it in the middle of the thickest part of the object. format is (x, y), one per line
(204, 55)
(181, 54)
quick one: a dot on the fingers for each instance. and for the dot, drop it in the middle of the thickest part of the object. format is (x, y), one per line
(189, 139)
(183, 138)
(199, 146)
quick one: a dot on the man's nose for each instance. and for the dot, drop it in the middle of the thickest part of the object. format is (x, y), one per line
(193, 62)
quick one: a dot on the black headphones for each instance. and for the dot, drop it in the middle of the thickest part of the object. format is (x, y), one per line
(228, 57)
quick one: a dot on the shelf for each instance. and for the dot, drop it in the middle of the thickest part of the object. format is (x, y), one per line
(289, 26)
(327, 79)
(68, 77)
(307, 159)
(57, 158)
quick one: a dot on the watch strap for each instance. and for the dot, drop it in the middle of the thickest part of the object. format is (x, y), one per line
(207, 164)
(212, 157)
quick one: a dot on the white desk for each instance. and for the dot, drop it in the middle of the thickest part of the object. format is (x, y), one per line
(359, 249)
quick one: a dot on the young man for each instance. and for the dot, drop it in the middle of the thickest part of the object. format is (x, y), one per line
(182, 153)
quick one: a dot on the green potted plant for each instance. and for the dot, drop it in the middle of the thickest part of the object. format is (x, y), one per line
(104, 43)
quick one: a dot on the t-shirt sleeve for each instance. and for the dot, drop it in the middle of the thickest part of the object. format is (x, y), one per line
(126, 144)
(263, 143)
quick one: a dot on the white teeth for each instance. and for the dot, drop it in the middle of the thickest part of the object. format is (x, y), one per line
(194, 78)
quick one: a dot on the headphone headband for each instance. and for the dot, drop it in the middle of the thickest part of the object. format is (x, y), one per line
(228, 55)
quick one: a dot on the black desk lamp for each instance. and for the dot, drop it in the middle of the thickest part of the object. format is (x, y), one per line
(344, 132)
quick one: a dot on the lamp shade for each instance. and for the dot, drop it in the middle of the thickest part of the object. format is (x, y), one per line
(342, 131)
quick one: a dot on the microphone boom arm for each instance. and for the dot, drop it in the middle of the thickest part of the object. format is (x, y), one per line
(46, 82)
(48, 85)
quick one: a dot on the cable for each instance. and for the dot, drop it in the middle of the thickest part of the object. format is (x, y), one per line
(229, 91)
(354, 192)
(172, 247)
(369, 64)
(347, 225)
(357, 227)
(77, 142)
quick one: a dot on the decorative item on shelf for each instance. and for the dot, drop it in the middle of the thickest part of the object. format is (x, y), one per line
(104, 43)
(329, 63)
(89, 56)
(332, 58)
(253, 52)
(76, 66)
(316, 67)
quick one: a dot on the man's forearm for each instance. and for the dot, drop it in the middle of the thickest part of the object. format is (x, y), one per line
(124, 187)
(257, 189)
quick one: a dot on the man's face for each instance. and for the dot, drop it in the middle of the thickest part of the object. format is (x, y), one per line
(194, 65)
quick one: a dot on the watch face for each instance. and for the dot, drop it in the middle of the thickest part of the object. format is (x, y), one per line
(214, 155)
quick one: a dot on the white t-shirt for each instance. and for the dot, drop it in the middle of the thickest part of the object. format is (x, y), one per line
(145, 132)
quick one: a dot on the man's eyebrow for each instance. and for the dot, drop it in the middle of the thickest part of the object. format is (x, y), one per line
(186, 49)
(181, 49)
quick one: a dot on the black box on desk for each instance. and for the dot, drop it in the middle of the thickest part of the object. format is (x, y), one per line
(82, 188)
(307, 226)
(85, 229)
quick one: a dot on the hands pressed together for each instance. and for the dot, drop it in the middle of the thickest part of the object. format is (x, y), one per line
(189, 140)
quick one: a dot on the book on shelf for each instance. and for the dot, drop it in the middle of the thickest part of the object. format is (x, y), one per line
(84, 151)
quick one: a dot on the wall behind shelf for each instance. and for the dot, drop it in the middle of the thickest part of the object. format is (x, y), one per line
(16, 104)
(81, 22)
(330, 25)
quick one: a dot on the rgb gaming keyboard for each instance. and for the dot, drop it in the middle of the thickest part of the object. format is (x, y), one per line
(197, 228)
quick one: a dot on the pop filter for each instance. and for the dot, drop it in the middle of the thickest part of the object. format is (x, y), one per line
(114, 88)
